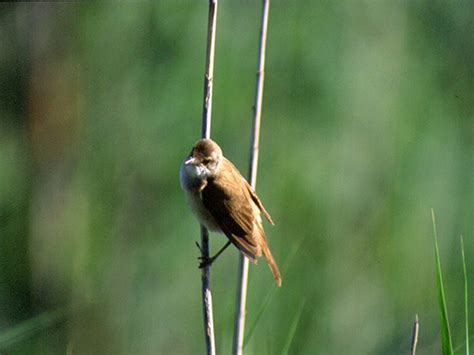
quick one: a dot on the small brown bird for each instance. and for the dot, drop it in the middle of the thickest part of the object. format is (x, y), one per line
(223, 201)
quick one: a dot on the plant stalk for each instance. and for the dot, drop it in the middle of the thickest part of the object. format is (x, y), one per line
(239, 326)
(206, 133)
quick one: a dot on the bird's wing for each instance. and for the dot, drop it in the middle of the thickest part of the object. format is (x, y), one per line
(259, 203)
(230, 203)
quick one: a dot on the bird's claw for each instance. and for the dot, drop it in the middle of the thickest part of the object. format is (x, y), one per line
(205, 261)
(199, 247)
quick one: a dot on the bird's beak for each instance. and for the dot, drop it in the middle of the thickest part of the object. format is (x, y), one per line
(190, 161)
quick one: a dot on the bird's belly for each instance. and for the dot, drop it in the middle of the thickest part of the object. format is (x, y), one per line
(201, 212)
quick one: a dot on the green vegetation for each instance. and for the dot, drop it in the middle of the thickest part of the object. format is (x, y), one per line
(446, 340)
(367, 123)
(466, 298)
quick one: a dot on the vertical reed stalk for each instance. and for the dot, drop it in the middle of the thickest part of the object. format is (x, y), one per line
(239, 326)
(206, 133)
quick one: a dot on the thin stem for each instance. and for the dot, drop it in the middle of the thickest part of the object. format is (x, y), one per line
(239, 326)
(206, 133)
(207, 297)
(208, 77)
(414, 336)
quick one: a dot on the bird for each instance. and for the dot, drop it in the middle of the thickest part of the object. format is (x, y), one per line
(223, 201)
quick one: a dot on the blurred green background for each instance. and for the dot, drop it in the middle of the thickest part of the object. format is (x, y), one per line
(367, 124)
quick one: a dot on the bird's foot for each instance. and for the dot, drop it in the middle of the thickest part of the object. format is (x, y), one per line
(204, 261)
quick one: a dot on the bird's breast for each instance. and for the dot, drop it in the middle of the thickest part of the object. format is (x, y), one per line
(193, 182)
(191, 178)
(201, 212)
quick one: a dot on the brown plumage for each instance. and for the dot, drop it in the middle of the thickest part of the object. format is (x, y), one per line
(230, 204)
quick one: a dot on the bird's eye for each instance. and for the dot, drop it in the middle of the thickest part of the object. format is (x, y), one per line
(206, 161)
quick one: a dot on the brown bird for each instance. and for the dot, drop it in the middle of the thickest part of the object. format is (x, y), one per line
(223, 201)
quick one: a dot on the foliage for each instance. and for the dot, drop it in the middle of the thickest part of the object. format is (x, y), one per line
(367, 123)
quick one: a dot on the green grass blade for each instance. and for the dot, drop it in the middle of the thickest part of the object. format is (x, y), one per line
(271, 292)
(292, 331)
(460, 346)
(29, 327)
(260, 312)
(446, 341)
(466, 308)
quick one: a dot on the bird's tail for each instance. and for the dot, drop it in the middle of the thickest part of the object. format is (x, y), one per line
(271, 262)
